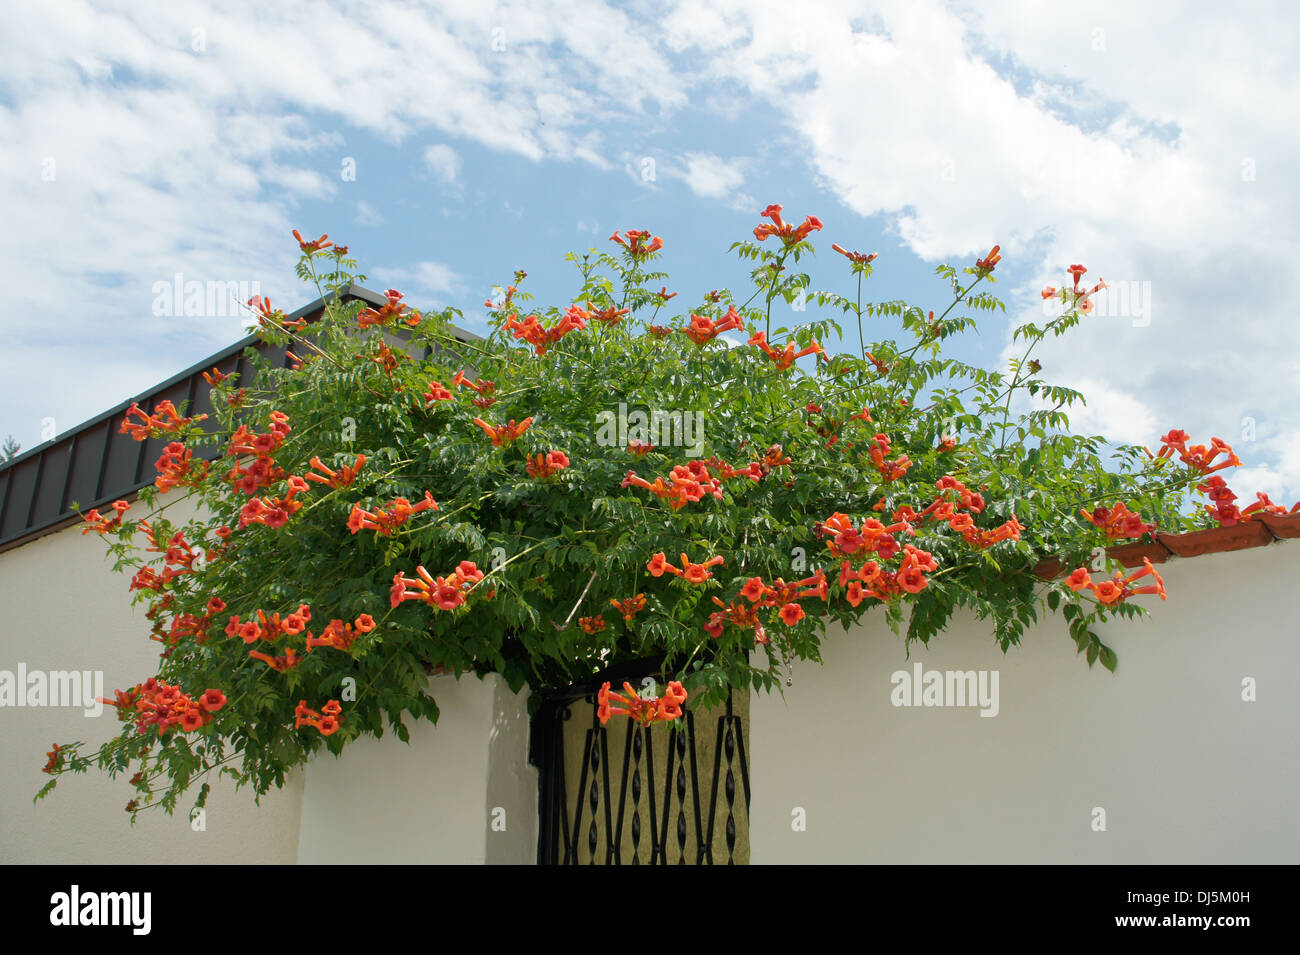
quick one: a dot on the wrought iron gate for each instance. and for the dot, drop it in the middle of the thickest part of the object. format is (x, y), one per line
(623, 794)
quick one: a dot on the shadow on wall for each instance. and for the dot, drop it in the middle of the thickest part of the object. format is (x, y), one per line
(511, 782)
(459, 792)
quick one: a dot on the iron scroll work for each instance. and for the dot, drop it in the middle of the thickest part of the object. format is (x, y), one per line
(623, 794)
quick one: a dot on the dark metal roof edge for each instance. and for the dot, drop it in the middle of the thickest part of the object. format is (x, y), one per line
(68, 519)
(352, 291)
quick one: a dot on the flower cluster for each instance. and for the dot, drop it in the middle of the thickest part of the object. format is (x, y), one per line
(659, 709)
(328, 720)
(1120, 587)
(783, 358)
(505, 301)
(1197, 456)
(532, 331)
(178, 559)
(483, 388)
(857, 258)
(547, 465)
(611, 315)
(944, 510)
(310, 246)
(703, 330)
(102, 525)
(1076, 297)
(953, 505)
(268, 317)
(184, 624)
(593, 624)
(636, 244)
(155, 703)
(890, 470)
(164, 420)
(873, 536)
(1117, 521)
(388, 360)
(689, 572)
(387, 521)
(270, 628)
(778, 594)
(737, 614)
(176, 468)
(789, 234)
(263, 471)
(336, 479)
(341, 635)
(393, 310)
(691, 482)
(274, 512)
(630, 607)
(506, 433)
(873, 581)
(52, 759)
(774, 457)
(1227, 513)
(1206, 460)
(445, 593)
(990, 261)
(146, 578)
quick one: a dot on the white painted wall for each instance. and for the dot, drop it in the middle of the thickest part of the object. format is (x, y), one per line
(62, 608)
(432, 799)
(1186, 771)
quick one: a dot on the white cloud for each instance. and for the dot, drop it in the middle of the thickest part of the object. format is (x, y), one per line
(1120, 414)
(443, 162)
(744, 202)
(966, 125)
(710, 176)
(1263, 479)
(368, 215)
(170, 155)
(429, 279)
(961, 124)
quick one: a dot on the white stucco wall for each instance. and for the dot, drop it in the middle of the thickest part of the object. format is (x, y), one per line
(1185, 770)
(433, 799)
(62, 608)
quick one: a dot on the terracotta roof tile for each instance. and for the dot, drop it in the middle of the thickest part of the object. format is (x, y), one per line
(1258, 532)
(1237, 537)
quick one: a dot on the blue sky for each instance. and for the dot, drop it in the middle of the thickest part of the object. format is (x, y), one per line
(140, 140)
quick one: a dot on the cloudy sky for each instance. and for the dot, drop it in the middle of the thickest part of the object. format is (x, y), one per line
(451, 143)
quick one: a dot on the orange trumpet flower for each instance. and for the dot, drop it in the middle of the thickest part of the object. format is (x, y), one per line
(506, 433)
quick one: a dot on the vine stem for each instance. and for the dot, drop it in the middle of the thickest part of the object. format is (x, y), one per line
(857, 309)
(771, 293)
(581, 597)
